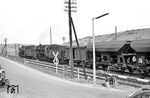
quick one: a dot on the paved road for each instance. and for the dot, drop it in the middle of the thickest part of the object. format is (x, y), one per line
(35, 84)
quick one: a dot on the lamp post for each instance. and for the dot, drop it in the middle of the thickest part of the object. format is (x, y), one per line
(94, 66)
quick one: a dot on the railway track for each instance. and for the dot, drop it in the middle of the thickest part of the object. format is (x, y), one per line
(100, 75)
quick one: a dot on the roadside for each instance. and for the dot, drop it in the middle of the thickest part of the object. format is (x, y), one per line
(80, 81)
(47, 77)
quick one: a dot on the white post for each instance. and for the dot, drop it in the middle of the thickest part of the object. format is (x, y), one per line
(78, 74)
(56, 63)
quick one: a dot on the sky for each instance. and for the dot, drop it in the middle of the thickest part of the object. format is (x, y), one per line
(29, 21)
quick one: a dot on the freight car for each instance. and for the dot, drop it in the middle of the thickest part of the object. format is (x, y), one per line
(125, 56)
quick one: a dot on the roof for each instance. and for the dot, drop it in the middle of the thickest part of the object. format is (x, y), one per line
(141, 45)
(106, 46)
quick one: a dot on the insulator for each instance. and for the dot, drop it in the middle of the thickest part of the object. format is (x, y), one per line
(66, 10)
(73, 10)
(73, 2)
(73, 7)
(66, 6)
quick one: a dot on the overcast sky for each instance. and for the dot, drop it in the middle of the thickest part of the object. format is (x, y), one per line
(29, 21)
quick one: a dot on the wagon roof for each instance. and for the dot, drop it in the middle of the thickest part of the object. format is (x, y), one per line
(107, 46)
(141, 45)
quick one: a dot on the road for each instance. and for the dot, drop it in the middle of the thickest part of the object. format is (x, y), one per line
(35, 84)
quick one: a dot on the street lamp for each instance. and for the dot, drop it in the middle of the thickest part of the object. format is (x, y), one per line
(94, 66)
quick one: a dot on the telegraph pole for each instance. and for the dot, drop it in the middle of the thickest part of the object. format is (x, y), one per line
(69, 7)
(70, 38)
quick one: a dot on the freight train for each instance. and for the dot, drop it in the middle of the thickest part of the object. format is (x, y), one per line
(120, 56)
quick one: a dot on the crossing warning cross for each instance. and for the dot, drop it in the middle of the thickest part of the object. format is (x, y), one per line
(55, 61)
